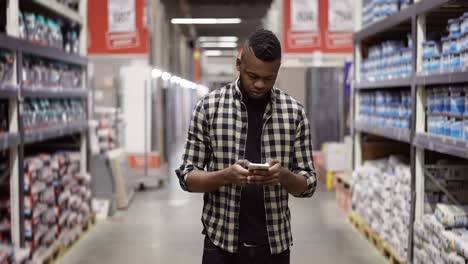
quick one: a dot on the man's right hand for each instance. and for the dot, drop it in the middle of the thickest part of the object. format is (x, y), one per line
(238, 173)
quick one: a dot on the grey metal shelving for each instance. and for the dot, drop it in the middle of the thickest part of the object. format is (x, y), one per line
(444, 78)
(419, 19)
(8, 91)
(442, 144)
(9, 140)
(53, 93)
(398, 134)
(39, 135)
(384, 84)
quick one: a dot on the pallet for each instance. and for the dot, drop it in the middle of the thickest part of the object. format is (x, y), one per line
(374, 239)
(61, 248)
(55, 254)
(390, 254)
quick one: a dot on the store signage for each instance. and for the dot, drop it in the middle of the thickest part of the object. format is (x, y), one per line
(340, 24)
(318, 26)
(118, 30)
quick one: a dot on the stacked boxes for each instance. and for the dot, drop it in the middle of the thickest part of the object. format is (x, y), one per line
(381, 196)
(450, 53)
(386, 108)
(44, 113)
(57, 198)
(446, 111)
(442, 237)
(376, 10)
(390, 60)
(40, 212)
(73, 192)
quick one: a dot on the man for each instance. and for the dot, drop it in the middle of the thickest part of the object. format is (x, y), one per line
(246, 217)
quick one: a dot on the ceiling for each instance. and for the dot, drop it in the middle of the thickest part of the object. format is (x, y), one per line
(250, 11)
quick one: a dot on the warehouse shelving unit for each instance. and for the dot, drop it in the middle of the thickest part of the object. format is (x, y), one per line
(17, 138)
(386, 84)
(414, 20)
(398, 134)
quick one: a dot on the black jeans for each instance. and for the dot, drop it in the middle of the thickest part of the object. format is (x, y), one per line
(246, 255)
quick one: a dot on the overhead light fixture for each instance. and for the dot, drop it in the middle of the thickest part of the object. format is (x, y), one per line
(175, 79)
(201, 21)
(166, 76)
(219, 39)
(156, 73)
(213, 53)
(218, 45)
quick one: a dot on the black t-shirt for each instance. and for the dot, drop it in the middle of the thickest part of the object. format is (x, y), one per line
(253, 229)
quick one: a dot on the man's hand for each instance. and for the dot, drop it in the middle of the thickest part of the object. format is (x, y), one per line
(272, 176)
(238, 173)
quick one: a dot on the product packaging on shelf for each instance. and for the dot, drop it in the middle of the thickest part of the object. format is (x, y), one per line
(452, 215)
(41, 73)
(390, 60)
(376, 10)
(6, 66)
(446, 106)
(381, 196)
(49, 32)
(382, 108)
(40, 113)
(56, 200)
(454, 54)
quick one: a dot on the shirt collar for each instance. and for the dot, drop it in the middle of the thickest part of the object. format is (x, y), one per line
(238, 93)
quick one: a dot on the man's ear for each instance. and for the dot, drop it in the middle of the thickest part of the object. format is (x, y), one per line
(238, 62)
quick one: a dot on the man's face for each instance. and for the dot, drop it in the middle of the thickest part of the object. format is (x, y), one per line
(257, 77)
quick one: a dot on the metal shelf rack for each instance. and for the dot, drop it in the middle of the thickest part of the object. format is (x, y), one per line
(418, 19)
(398, 134)
(17, 139)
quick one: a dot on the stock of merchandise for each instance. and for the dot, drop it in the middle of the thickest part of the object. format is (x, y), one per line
(40, 226)
(376, 10)
(3, 116)
(49, 32)
(390, 60)
(57, 198)
(385, 108)
(450, 53)
(105, 135)
(39, 73)
(74, 191)
(382, 197)
(452, 177)
(43, 113)
(447, 111)
(442, 237)
(6, 67)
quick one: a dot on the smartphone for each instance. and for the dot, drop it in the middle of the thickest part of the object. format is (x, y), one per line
(258, 166)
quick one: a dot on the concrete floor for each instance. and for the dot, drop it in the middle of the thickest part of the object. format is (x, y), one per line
(163, 226)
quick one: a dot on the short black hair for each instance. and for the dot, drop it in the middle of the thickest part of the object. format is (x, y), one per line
(265, 45)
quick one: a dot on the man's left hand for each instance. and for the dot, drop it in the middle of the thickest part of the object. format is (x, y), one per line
(272, 176)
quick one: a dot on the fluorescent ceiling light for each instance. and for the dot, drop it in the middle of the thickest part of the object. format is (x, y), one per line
(156, 73)
(221, 39)
(214, 53)
(218, 45)
(166, 76)
(175, 79)
(206, 21)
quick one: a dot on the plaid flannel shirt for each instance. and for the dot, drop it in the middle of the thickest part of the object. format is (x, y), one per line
(216, 140)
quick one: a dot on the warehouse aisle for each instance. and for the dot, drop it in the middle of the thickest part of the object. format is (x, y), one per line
(164, 226)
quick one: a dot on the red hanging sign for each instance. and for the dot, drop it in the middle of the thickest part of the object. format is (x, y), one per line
(117, 27)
